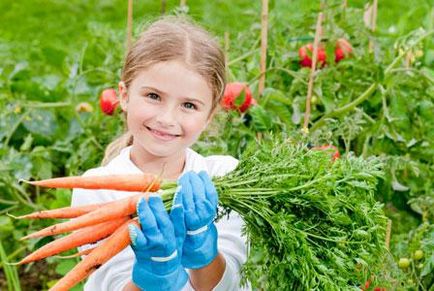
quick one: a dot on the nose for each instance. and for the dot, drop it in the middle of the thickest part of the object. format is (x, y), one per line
(166, 117)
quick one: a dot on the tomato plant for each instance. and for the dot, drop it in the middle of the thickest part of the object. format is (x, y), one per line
(375, 103)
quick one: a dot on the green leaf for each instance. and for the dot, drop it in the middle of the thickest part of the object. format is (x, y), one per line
(27, 143)
(428, 267)
(65, 266)
(41, 122)
(261, 118)
(399, 187)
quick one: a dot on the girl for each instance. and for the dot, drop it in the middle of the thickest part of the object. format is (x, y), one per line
(171, 84)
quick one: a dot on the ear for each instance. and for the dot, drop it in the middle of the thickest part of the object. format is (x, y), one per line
(123, 95)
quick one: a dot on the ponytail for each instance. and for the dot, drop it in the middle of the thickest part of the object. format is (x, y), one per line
(115, 147)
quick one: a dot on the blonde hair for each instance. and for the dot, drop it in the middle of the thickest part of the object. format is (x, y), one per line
(173, 38)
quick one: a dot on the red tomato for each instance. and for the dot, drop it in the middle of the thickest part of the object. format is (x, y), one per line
(335, 155)
(376, 288)
(232, 92)
(367, 284)
(305, 54)
(343, 49)
(108, 101)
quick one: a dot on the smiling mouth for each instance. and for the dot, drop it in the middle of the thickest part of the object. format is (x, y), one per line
(162, 134)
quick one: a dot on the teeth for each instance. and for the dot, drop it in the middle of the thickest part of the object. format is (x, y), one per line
(160, 133)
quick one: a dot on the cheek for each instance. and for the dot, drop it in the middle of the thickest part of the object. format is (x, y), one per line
(137, 115)
(195, 126)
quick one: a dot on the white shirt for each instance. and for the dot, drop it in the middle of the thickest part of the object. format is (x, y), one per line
(117, 272)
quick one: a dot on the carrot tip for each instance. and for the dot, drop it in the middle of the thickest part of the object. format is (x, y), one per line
(13, 264)
(13, 216)
(35, 183)
(32, 235)
(66, 257)
(24, 181)
(26, 237)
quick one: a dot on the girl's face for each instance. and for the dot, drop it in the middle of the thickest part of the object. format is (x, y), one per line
(168, 106)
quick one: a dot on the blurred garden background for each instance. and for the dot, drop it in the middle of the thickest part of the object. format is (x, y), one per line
(58, 56)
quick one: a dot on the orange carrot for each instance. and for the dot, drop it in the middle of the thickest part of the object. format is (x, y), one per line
(119, 240)
(120, 208)
(64, 212)
(84, 236)
(77, 254)
(134, 183)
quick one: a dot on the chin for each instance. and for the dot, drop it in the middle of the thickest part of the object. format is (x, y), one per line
(160, 153)
(160, 150)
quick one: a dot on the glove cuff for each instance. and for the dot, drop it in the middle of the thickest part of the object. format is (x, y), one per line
(148, 281)
(202, 255)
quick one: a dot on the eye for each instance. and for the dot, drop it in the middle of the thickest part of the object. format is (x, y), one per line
(153, 96)
(190, 105)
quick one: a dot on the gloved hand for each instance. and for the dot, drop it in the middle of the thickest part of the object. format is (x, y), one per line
(199, 199)
(158, 246)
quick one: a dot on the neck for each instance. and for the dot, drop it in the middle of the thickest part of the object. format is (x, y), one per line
(171, 167)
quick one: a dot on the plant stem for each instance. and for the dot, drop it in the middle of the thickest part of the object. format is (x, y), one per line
(318, 32)
(264, 33)
(23, 197)
(45, 104)
(350, 106)
(249, 53)
(15, 126)
(252, 181)
(327, 239)
(421, 73)
(6, 210)
(8, 202)
(129, 24)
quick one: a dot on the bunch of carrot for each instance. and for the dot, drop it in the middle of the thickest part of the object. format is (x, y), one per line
(91, 223)
(308, 219)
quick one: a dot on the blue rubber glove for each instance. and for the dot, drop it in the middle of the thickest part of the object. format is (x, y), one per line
(158, 246)
(199, 199)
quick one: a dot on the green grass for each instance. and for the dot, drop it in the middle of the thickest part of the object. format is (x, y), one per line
(67, 51)
(9, 271)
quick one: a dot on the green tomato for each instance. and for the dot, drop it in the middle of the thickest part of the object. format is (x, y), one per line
(404, 263)
(342, 245)
(361, 235)
(418, 255)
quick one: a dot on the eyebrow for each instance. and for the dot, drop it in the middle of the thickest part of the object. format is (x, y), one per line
(190, 99)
